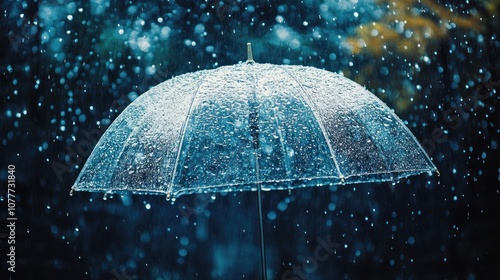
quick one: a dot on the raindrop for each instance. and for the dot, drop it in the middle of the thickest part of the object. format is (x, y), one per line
(426, 60)
(271, 215)
(199, 28)
(384, 71)
(331, 206)
(184, 241)
(145, 237)
(411, 240)
(183, 252)
(126, 200)
(282, 206)
(54, 229)
(210, 49)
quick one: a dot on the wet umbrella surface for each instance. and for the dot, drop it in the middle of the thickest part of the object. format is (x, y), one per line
(252, 126)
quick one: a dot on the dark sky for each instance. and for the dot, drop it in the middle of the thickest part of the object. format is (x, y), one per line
(68, 70)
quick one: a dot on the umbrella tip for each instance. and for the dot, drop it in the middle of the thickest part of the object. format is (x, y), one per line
(249, 53)
(71, 192)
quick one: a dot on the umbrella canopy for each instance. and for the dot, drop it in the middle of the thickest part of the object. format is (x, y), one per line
(230, 128)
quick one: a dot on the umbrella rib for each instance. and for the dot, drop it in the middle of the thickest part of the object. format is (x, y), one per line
(380, 148)
(134, 130)
(408, 132)
(355, 118)
(313, 107)
(182, 134)
(375, 143)
(286, 163)
(90, 159)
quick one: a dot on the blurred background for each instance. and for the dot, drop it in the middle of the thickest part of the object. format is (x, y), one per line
(69, 68)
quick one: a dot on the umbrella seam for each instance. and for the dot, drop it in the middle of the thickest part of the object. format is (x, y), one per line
(92, 156)
(318, 118)
(120, 119)
(408, 132)
(380, 147)
(286, 166)
(134, 130)
(129, 136)
(398, 121)
(375, 143)
(362, 124)
(355, 118)
(123, 148)
(395, 117)
(182, 134)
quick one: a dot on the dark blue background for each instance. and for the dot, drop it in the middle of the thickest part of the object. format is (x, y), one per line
(65, 78)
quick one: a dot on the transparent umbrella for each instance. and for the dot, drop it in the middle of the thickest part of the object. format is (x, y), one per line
(255, 127)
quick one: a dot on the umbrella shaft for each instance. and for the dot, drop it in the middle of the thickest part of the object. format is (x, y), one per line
(261, 223)
(254, 125)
